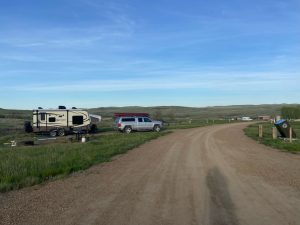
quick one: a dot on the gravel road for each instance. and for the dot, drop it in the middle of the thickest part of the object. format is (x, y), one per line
(211, 175)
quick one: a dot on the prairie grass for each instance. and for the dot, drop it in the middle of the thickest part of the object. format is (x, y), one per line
(29, 165)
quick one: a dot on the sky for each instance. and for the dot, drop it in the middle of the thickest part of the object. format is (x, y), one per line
(94, 53)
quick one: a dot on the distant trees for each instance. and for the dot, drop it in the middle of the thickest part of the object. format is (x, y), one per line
(290, 112)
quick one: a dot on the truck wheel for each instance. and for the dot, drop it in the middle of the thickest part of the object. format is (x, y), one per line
(53, 133)
(156, 128)
(127, 130)
(61, 132)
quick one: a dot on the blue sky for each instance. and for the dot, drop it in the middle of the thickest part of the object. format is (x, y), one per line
(92, 53)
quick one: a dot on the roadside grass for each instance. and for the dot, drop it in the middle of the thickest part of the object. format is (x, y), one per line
(29, 165)
(252, 132)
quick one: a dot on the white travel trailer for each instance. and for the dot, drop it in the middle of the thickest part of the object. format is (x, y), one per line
(58, 122)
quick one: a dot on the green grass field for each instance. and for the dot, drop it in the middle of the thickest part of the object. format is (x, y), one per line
(25, 166)
(252, 131)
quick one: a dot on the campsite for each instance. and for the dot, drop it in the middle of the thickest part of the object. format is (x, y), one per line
(68, 164)
(136, 112)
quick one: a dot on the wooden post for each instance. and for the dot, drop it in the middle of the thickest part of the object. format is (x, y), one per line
(274, 133)
(260, 131)
(291, 134)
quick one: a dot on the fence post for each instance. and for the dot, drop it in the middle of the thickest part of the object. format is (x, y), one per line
(291, 134)
(274, 133)
(260, 131)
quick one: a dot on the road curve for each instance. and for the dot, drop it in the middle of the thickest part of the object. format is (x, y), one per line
(211, 175)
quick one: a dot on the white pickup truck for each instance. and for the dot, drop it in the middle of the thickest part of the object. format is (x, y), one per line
(129, 124)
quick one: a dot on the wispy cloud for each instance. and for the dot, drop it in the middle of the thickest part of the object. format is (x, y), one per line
(214, 81)
(65, 38)
(111, 23)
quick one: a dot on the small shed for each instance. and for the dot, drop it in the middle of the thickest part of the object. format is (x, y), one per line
(265, 118)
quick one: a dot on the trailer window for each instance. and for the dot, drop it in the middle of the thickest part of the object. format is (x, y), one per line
(77, 120)
(43, 116)
(52, 119)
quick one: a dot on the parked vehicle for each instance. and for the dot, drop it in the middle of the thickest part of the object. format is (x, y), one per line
(128, 124)
(58, 122)
(246, 118)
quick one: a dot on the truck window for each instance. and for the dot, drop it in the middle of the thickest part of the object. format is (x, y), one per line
(128, 119)
(52, 119)
(147, 120)
(77, 120)
(140, 120)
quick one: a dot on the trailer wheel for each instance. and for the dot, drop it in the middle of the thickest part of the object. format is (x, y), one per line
(61, 132)
(53, 133)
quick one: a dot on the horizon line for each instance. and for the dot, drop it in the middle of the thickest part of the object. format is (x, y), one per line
(157, 106)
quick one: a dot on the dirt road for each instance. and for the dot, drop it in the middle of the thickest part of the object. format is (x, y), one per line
(213, 175)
